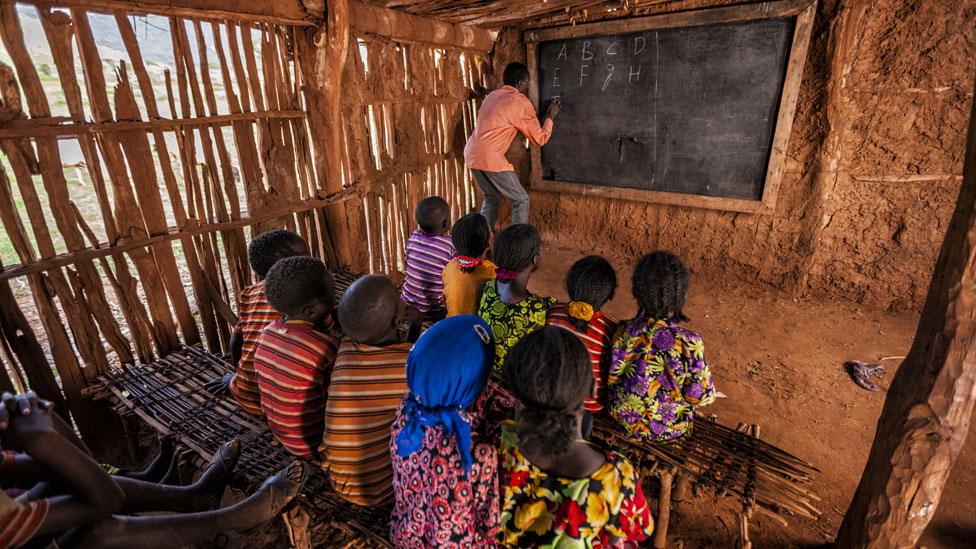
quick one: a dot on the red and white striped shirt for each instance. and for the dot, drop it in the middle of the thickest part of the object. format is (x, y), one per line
(255, 313)
(427, 255)
(597, 339)
(293, 362)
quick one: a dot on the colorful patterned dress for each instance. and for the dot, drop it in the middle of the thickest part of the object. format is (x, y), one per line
(510, 323)
(436, 504)
(541, 510)
(658, 376)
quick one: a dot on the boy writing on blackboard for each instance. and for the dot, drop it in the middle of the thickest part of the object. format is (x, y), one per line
(503, 113)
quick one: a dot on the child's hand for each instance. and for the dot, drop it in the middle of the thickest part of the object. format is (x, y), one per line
(219, 385)
(25, 419)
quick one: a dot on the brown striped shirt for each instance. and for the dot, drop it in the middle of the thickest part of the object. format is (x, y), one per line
(255, 313)
(368, 383)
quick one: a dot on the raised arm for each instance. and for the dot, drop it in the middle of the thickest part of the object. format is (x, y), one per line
(527, 122)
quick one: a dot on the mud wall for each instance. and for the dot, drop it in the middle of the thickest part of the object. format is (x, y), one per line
(873, 165)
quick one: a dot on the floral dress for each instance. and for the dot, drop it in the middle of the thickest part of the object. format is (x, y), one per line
(658, 376)
(510, 323)
(435, 504)
(604, 509)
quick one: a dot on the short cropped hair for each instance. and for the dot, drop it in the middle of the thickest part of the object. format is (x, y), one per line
(431, 213)
(267, 248)
(515, 73)
(367, 308)
(296, 282)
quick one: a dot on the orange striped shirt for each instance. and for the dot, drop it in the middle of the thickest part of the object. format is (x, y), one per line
(19, 521)
(255, 313)
(368, 384)
(597, 338)
(293, 361)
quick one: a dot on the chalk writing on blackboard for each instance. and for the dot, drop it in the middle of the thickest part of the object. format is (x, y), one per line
(688, 109)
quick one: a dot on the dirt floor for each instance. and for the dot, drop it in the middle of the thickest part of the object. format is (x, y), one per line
(779, 360)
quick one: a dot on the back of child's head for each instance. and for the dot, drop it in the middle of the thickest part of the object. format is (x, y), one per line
(368, 309)
(300, 286)
(550, 373)
(516, 248)
(660, 285)
(433, 215)
(590, 282)
(267, 248)
(470, 237)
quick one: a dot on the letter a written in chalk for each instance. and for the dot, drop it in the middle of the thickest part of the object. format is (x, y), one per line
(562, 54)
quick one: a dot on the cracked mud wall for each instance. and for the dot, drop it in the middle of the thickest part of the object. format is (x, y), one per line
(873, 165)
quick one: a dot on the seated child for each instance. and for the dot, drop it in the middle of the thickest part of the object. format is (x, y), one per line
(255, 313)
(293, 357)
(557, 489)
(591, 282)
(506, 303)
(94, 506)
(428, 251)
(466, 275)
(658, 374)
(369, 380)
(443, 442)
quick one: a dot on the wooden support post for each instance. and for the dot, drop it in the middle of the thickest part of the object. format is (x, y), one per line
(666, 475)
(928, 408)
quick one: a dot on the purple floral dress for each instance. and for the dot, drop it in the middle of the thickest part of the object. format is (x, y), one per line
(658, 376)
(436, 505)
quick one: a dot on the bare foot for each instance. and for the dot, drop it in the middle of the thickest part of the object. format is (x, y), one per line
(209, 488)
(273, 496)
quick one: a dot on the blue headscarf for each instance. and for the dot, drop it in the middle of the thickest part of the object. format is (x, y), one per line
(446, 371)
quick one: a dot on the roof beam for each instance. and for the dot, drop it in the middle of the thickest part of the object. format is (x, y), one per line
(281, 12)
(404, 27)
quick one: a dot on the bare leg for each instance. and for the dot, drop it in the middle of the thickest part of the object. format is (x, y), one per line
(205, 493)
(160, 464)
(186, 529)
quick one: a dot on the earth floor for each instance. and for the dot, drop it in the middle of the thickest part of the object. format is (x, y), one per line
(779, 361)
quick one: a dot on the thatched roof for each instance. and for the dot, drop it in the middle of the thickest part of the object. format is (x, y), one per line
(522, 13)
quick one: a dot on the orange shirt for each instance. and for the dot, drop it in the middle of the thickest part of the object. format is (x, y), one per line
(502, 114)
(462, 291)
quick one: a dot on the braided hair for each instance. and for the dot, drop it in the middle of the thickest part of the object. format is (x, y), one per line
(516, 247)
(590, 280)
(550, 373)
(660, 285)
(267, 248)
(470, 237)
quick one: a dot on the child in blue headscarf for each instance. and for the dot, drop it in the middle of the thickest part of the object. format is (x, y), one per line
(445, 467)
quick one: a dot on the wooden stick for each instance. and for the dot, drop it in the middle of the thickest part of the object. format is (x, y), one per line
(279, 12)
(666, 476)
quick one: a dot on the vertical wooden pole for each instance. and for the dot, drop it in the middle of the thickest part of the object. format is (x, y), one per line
(666, 475)
(928, 408)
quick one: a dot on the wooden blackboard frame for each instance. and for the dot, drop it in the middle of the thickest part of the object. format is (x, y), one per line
(803, 10)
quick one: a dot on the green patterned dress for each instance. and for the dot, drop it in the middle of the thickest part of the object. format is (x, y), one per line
(510, 322)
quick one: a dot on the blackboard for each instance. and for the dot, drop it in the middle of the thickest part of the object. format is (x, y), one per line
(692, 109)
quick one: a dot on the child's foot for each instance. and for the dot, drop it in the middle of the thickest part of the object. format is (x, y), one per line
(273, 496)
(210, 486)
